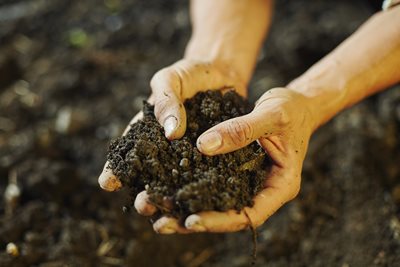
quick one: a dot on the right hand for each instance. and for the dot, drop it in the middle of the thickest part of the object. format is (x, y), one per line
(282, 122)
(170, 87)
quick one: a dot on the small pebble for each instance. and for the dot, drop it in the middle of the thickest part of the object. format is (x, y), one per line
(71, 120)
(12, 250)
(231, 180)
(11, 196)
(184, 163)
(12, 193)
(175, 173)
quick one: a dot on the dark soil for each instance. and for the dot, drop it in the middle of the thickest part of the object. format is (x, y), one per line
(177, 172)
(347, 213)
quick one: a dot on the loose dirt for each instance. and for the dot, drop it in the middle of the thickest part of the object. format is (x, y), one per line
(348, 210)
(176, 172)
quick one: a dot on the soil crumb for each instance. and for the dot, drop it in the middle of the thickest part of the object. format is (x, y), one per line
(179, 179)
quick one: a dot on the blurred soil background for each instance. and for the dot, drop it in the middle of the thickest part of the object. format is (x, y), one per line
(73, 73)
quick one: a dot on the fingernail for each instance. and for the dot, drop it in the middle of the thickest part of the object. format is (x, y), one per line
(210, 142)
(193, 223)
(170, 125)
(166, 231)
(109, 182)
(197, 228)
(142, 205)
(165, 225)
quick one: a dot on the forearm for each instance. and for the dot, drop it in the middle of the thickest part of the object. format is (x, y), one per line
(364, 64)
(229, 32)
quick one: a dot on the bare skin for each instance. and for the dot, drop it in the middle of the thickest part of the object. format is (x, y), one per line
(218, 56)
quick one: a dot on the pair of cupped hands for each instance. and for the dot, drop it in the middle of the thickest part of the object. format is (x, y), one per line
(280, 122)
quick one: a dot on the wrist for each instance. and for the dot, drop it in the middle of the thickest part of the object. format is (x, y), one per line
(289, 109)
(224, 56)
(326, 87)
(323, 99)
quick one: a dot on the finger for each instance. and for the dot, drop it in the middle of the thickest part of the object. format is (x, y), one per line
(169, 225)
(172, 85)
(168, 108)
(217, 222)
(195, 76)
(234, 134)
(266, 203)
(108, 181)
(143, 206)
(202, 76)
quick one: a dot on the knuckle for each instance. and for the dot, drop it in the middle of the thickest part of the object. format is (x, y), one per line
(281, 116)
(239, 131)
(161, 75)
(167, 81)
(158, 76)
(161, 108)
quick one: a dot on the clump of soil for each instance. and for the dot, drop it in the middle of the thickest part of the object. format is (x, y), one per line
(176, 172)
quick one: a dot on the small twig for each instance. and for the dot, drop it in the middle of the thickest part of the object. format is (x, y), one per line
(254, 236)
(253, 163)
(105, 247)
(12, 193)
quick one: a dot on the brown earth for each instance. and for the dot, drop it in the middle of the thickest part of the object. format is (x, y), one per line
(177, 173)
(73, 73)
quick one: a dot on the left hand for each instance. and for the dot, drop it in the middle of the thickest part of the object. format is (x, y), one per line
(282, 124)
(170, 87)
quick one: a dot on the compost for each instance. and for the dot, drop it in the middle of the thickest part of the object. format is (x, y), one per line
(74, 73)
(176, 172)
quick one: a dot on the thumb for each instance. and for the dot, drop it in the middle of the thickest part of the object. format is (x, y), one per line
(168, 107)
(234, 134)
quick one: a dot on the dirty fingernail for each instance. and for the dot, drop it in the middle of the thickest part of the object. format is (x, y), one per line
(166, 231)
(109, 181)
(210, 142)
(170, 125)
(197, 228)
(165, 225)
(142, 205)
(193, 223)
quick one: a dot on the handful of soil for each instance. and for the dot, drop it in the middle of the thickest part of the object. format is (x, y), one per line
(176, 172)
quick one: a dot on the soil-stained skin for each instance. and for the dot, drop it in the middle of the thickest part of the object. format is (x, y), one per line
(144, 159)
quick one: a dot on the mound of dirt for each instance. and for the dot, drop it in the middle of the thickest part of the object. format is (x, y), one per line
(175, 172)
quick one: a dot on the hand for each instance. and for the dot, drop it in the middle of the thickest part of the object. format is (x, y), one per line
(282, 124)
(170, 87)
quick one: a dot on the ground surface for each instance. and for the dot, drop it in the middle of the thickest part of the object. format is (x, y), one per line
(72, 73)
